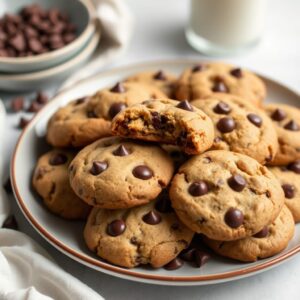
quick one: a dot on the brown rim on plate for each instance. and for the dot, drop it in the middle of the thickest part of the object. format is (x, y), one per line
(127, 272)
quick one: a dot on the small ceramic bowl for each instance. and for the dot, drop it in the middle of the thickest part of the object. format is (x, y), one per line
(80, 13)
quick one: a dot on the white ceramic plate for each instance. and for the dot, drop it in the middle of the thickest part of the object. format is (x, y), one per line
(67, 236)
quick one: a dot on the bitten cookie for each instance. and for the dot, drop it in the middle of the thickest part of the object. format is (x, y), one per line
(225, 195)
(117, 173)
(162, 80)
(286, 120)
(166, 121)
(203, 80)
(289, 178)
(148, 234)
(240, 127)
(74, 125)
(51, 181)
(269, 241)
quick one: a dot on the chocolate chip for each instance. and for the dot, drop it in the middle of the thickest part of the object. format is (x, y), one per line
(236, 73)
(222, 108)
(10, 223)
(118, 88)
(201, 258)
(142, 172)
(185, 105)
(23, 122)
(219, 86)
(278, 115)
(7, 186)
(234, 218)
(116, 227)
(91, 114)
(289, 191)
(188, 254)
(17, 104)
(198, 188)
(34, 107)
(156, 120)
(263, 233)
(35, 45)
(58, 159)
(98, 167)
(163, 203)
(292, 125)
(255, 119)
(41, 98)
(18, 42)
(197, 68)
(237, 182)
(116, 108)
(226, 125)
(160, 75)
(121, 151)
(294, 166)
(80, 100)
(152, 218)
(174, 264)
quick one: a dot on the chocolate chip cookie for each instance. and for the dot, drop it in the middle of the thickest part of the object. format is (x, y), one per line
(162, 80)
(289, 178)
(203, 80)
(240, 127)
(269, 241)
(286, 120)
(51, 181)
(166, 121)
(225, 195)
(116, 173)
(148, 234)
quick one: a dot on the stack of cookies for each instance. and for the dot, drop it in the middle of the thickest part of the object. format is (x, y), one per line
(164, 167)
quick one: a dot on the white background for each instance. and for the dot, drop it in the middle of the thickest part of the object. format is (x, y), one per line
(159, 34)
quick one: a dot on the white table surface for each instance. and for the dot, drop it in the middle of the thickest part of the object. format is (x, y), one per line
(158, 35)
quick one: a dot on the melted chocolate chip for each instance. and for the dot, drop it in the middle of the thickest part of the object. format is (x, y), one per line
(289, 191)
(292, 125)
(255, 119)
(160, 75)
(188, 254)
(201, 258)
(226, 125)
(10, 223)
(222, 108)
(174, 264)
(152, 218)
(142, 172)
(234, 218)
(263, 233)
(294, 166)
(236, 73)
(98, 167)
(116, 108)
(237, 182)
(219, 86)
(58, 159)
(121, 151)
(185, 105)
(198, 188)
(116, 227)
(197, 68)
(156, 120)
(118, 88)
(278, 115)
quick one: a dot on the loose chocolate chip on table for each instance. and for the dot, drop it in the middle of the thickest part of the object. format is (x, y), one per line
(234, 218)
(188, 254)
(219, 86)
(41, 98)
(226, 125)
(278, 115)
(160, 75)
(7, 186)
(116, 108)
(174, 264)
(121, 151)
(294, 166)
(34, 107)
(197, 68)
(23, 122)
(116, 227)
(263, 233)
(198, 188)
(201, 258)
(292, 125)
(237, 182)
(118, 88)
(236, 73)
(142, 172)
(289, 191)
(98, 167)
(185, 105)
(255, 119)
(17, 104)
(222, 108)
(10, 223)
(152, 218)
(58, 159)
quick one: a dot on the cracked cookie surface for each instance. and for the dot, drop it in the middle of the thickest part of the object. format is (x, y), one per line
(148, 234)
(51, 182)
(225, 195)
(240, 127)
(118, 173)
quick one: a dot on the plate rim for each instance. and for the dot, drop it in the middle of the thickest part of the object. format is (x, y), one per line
(115, 270)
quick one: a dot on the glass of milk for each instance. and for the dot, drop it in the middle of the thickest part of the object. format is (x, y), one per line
(224, 27)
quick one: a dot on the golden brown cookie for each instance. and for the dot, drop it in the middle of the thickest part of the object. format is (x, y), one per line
(51, 181)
